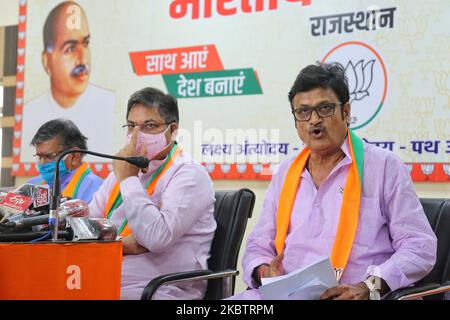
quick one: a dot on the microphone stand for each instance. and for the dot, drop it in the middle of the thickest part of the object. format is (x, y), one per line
(140, 162)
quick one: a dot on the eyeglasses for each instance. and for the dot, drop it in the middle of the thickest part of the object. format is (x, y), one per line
(323, 111)
(146, 127)
(47, 157)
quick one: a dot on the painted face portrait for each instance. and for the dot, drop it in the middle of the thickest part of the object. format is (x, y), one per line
(66, 57)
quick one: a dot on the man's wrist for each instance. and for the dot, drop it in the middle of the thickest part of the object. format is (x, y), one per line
(259, 272)
(363, 286)
(380, 284)
(377, 287)
(262, 271)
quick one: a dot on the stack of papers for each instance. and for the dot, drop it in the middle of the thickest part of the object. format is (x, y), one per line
(302, 284)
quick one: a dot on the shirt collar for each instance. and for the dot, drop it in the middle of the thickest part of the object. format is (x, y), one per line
(346, 149)
(347, 160)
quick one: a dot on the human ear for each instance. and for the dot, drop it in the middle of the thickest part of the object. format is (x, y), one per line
(346, 108)
(45, 62)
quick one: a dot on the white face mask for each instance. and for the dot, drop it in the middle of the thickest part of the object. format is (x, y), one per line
(154, 143)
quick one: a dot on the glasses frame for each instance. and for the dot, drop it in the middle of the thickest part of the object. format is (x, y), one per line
(46, 158)
(128, 129)
(316, 108)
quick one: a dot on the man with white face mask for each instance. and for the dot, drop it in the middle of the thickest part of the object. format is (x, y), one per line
(164, 213)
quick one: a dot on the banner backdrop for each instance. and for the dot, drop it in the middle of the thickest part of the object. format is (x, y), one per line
(231, 64)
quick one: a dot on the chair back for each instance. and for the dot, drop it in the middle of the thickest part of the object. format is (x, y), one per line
(438, 214)
(232, 209)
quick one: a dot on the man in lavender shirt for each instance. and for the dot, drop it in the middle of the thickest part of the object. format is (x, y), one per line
(173, 227)
(393, 245)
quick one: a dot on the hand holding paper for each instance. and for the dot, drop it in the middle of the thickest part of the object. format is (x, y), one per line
(303, 284)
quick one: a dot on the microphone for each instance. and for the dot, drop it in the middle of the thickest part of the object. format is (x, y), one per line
(28, 222)
(23, 201)
(29, 236)
(70, 208)
(13, 203)
(39, 193)
(73, 218)
(84, 228)
(140, 162)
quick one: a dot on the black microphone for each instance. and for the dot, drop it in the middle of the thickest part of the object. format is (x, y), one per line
(28, 222)
(140, 162)
(29, 236)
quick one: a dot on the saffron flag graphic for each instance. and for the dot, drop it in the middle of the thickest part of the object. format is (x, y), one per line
(177, 60)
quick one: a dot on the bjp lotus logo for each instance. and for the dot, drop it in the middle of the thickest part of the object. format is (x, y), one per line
(360, 76)
(367, 79)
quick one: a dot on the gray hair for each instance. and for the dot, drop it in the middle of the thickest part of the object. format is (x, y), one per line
(65, 130)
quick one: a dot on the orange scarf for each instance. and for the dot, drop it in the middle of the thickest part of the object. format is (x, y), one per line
(348, 221)
(115, 198)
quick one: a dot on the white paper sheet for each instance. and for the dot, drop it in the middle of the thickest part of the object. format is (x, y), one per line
(302, 284)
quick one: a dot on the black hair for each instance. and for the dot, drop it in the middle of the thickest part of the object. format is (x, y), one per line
(49, 31)
(67, 132)
(322, 75)
(166, 104)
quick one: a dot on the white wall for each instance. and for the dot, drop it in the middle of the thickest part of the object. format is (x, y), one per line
(9, 12)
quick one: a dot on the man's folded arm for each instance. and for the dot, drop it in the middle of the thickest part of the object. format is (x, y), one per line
(158, 226)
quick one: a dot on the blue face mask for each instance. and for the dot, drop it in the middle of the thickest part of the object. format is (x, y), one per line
(47, 170)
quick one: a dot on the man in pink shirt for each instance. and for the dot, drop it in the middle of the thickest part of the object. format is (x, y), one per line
(164, 213)
(340, 198)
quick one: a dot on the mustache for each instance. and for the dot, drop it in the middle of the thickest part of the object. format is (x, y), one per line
(79, 69)
(318, 127)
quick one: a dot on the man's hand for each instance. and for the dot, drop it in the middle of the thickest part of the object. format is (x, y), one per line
(123, 169)
(347, 292)
(275, 268)
(131, 246)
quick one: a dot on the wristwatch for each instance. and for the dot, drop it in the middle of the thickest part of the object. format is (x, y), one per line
(374, 285)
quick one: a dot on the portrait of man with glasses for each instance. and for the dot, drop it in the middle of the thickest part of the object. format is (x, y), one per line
(340, 198)
(164, 213)
(53, 138)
